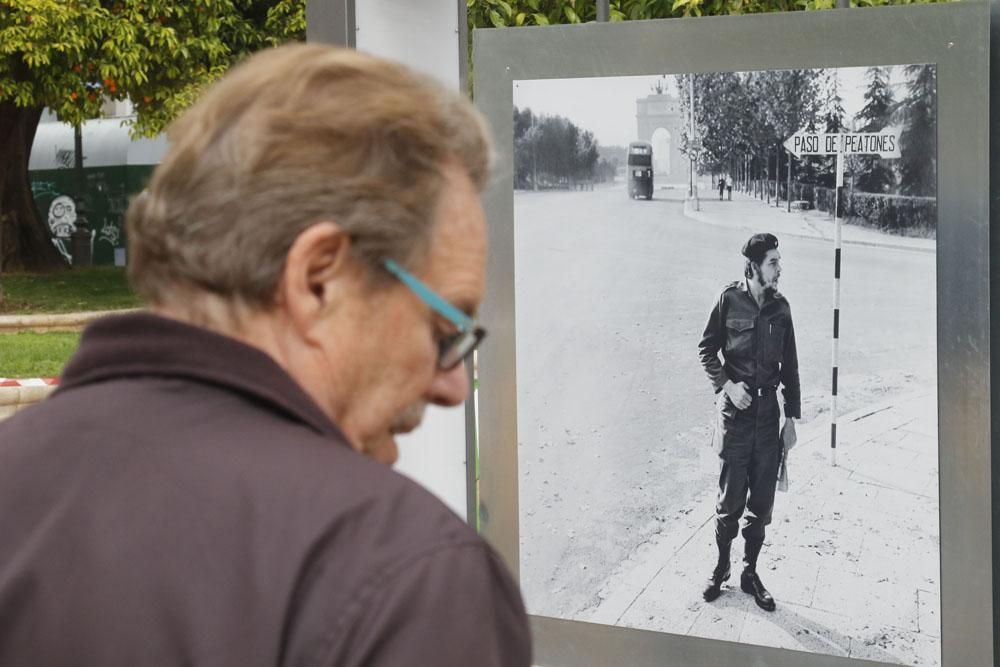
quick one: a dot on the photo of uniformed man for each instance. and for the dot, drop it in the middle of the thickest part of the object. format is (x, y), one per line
(650, 499)
(751, 327)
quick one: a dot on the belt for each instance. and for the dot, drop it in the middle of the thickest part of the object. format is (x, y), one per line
(764, 391)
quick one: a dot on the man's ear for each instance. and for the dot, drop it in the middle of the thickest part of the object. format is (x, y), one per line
(318, 272)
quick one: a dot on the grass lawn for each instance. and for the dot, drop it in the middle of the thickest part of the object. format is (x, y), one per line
(36, 355)
(74, 290)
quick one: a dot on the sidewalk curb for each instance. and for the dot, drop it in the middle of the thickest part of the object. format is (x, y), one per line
(621, 590)
(55, 322)
(710, 220)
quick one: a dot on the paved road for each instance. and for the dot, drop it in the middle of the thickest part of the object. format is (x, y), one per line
(613, 407)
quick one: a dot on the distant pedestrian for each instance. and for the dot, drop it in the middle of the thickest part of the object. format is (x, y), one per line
(729, 190)
(722, 187)
(751, 326)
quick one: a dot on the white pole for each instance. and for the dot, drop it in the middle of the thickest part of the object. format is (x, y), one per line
(694, 156)
(836, 308)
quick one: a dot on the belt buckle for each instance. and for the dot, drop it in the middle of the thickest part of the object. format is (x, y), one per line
(760, 391)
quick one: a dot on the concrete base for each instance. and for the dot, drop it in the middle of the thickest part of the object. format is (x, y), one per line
(15, 399)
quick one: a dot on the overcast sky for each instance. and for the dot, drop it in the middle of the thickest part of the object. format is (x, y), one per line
(606, 105)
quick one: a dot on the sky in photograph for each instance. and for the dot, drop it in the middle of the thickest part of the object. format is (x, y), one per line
(606, 105)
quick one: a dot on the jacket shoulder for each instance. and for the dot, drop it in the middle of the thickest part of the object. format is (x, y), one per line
(735, 285)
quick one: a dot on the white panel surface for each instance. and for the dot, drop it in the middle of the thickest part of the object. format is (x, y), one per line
(424, 35)
(434, 456)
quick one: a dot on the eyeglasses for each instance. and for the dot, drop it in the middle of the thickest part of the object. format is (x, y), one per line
(453, 349)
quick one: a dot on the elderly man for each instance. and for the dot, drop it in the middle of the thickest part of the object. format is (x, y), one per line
(208, 486)
(751, 326)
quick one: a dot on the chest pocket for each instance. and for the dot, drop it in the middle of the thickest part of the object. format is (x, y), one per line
(739, 338)
(774, 343)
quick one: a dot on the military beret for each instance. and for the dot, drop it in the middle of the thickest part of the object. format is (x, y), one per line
(757, 246)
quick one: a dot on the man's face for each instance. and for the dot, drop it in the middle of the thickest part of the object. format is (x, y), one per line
(770, 270)
(390, 367)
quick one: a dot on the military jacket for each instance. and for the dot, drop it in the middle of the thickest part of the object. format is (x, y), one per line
(757, 344)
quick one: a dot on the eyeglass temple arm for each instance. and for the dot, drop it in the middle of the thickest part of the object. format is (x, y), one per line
(460, 319)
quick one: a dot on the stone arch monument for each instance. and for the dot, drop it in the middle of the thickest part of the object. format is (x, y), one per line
(660, 121)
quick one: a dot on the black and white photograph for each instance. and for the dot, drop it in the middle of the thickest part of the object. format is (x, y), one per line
(726, 356)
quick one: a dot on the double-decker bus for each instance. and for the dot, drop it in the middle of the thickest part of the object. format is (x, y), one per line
(640, 169)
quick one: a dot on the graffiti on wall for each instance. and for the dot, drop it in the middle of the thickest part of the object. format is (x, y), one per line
(62, 223)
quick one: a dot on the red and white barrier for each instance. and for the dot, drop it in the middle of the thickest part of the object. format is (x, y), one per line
(17, 394)
(30, 382)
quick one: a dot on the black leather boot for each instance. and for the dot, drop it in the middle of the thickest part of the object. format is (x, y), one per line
(749, 581)
(721, 572)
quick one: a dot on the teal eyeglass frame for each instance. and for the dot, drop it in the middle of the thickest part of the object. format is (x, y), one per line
(453, 349)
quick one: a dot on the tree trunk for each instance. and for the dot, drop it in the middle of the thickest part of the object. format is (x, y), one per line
(25, 243)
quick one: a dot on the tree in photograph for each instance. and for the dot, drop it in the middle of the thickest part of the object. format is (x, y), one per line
(606, 170)
(790, 105)
(585, 156)
(832, 120)
(525, 144)
(551, 151)
(918, 140)
(71, 56)
(874, 174)
(719, 105)
(761, 135)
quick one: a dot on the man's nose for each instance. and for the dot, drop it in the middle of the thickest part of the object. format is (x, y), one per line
(449, 387)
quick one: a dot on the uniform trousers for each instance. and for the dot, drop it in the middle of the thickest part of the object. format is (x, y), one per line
(750, 454)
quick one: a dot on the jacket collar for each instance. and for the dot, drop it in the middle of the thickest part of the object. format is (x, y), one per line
(143, 344)
(768, 298)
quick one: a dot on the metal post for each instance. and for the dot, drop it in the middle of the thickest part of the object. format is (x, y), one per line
(332, 22)
(463, 46)
(471, 447)
(471, 365)
(835, 347)
(694, 160)
(789, 182)
(767, 175)
(603, 11)
(777, 176)
(80, 248)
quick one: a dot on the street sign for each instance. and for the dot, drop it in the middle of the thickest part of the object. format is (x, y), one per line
(884, 144)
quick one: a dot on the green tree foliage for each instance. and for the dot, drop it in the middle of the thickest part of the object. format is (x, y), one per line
(918, 140)
(874, 174)
(505, 13)
(71, 55)
(550, 151)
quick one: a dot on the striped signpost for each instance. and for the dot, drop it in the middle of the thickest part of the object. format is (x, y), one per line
(884, 144)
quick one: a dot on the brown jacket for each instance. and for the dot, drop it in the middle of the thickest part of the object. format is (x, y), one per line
(181, 501)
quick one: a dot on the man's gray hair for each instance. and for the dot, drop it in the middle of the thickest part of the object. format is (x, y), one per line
(294, 136)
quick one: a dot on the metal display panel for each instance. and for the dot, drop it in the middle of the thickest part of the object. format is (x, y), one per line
(952, 39)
